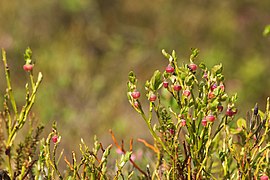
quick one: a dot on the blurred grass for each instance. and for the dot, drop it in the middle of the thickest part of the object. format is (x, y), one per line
(85, 49)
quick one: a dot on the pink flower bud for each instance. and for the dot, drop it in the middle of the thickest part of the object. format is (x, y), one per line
(220, 108)
(152, 97)
(165, 84)
(211, 95)
(55, 139)
(135, 94)
(222, 87)
(214, 86)
(192, 66)
(136, 104)
(28, 67)
(210, 118)
(169, 69)
(264, 177)
(186, 93)
(177, 87)
(205, 75)
(204, 122)
(171, 131)
(183, 122)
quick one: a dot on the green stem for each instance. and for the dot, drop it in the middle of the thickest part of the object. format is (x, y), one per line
(189, 168)
(9, 89)
(156, 138)
(24, 113)
(10, 170)
(208, 144)
(54, 161)
(220, 126)
(32, 80)
(48, 154)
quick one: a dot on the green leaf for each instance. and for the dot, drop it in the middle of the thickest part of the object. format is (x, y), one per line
(174, 54)
(187, 139)
(266, 31)
(106, 153)
(124, 159)
(214, 104)
(156, 80)
(166, 54)
(241, 123)
(189, 80)
(28, 54)
(194, 54)
(132, 77)
(222, 156)
(220, 77)
(224, 97)
(202, 66)
(208, 143)
(234, 131)
(217, 69)
(234, 98)
(147, 85)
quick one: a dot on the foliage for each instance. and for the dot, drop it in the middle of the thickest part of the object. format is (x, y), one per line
(266, 31)
(86, 48)
(186, 146)
(193, 137)
(14, 119)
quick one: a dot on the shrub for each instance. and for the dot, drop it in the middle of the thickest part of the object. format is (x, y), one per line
(189, 115)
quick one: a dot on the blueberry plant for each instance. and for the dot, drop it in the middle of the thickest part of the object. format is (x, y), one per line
(192, 120)
(19, 159)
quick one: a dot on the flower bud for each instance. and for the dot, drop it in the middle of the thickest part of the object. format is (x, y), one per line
(169, 69)
(135, 94)
(264, 177)
(165, 84)
(152, 97)
(177, 87)
(55, 139)
(28, 67)
(204, 122)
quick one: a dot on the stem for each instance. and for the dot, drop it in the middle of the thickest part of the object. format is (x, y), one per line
(24, 113)
(208, 143)
(195, 103)
(10, 170)
(14, 106)
(220, 126)
(138, 168)
(54, 161)
(32, 80)
(156, 138)
(9, 89)
(189, 168)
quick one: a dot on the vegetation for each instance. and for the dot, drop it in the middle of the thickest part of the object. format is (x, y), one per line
(80, 44)
(86, 48)
(189, 115)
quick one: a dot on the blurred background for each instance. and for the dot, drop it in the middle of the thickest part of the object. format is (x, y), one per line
(85, 49)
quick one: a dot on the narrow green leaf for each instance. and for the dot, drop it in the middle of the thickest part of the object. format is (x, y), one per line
(156, 80)
(28, 54)
(241, 123)
(217, 69)
(166, 54)
(132, 77)
(234, 131)
(266, 31)
(194, 54)
(174, 54)
(202, 66)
